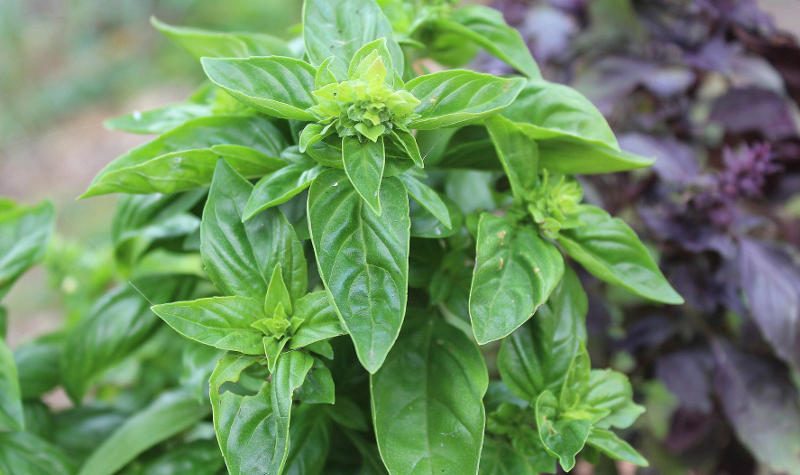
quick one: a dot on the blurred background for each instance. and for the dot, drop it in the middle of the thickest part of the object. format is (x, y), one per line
(710, 87)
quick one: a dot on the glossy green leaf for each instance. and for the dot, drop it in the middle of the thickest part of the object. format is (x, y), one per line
(37, 365)
(221, 322)
(24, 234)
(573, 135)
(563, 438)
(171, 413)
(11, 415)
(426, 225)
(279, 187)
(240, 257)
(309, 441)
(610, 249)
(408, 143)
(546, 110)
(160, 120)
(363, 260)
(515, 272)
(141, 219)
(501, 458)
(427, 401)
(609, 394)
(460, 97)
(463, 148)
(273, 349)
(320, 321)
(379, 45)
(339, 28)
(616, 448)
(25, 453)
(428, 198)
(275, 85)
(486, 27)
(576, 381)
(217, 44)
(253, 429)
(518, 154)
(115, 327)
(199, 457)
(364, 163)
(277, 294)
(184, 158)
(318, 387)
(537, 355)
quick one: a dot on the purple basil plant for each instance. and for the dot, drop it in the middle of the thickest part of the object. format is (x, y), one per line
(712, 89)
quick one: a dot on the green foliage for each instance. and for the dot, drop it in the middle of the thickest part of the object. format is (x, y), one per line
(285, 205)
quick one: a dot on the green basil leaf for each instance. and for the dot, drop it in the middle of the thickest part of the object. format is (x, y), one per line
(486, 27)
(546, 110)
(460, 97)
(381, 46)
(277, 294)
(115, 327)
(518, 154)
(576, 381)
(37, 365)
(24, 234)
(275, 85)
(221, 322)
(240, 257)
(515, 272)
(501, 458)
(160, 120)
(217, 44)
(313, 133)
(324, 74)
(11, 415)
(253, 429)
(573, 135)
(408, 143)
(563, 438)
(184, 158)
(616, 448)
(25, 453)
(318, 387)
(428, 198)
(273, 348)
(426, 225)
(537, 356)
(172, 413)
(363, 260)
(610, 249)
(427, 401)
(309, 441)
(320, 321)
(575, 157)
(339, 28)
(364, 163)
(279, 187)
(199, 457)
(467, 148)
(141, 219)
(610, 392)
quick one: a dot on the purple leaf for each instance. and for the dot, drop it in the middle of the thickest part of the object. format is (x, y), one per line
(686, 373)
(754, 110)
(771, 283)
(761, 404)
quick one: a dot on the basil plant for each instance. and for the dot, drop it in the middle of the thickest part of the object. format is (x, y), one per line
(355, 231)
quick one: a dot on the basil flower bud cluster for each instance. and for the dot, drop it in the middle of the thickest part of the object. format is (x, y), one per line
(554, 204)
(365, 105)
